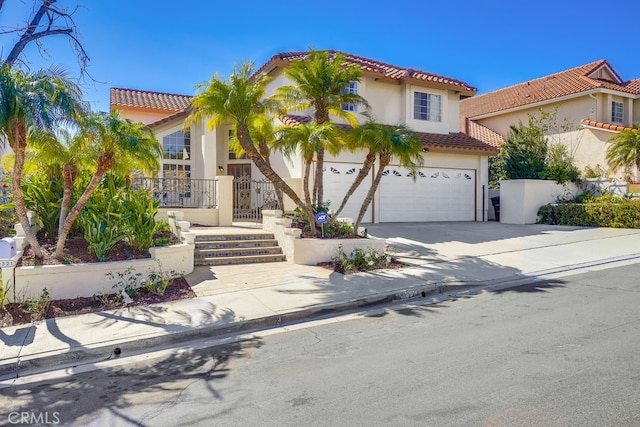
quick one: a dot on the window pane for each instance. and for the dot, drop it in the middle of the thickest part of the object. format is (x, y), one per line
(177, 145)
(427, 106)
(617, 114)
(352, 88)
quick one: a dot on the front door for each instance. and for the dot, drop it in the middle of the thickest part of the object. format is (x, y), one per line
(240, 169)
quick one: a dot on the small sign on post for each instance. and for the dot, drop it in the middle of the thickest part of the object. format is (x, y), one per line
(321, 218)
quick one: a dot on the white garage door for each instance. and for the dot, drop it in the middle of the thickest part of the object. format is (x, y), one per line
(338, 177)
(436, 195)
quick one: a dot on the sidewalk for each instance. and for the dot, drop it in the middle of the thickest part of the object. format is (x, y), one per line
(444, 258)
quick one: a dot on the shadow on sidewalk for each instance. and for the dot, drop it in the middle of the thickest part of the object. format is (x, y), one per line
(80, 398)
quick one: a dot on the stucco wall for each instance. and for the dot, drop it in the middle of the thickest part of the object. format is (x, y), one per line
(520, 199)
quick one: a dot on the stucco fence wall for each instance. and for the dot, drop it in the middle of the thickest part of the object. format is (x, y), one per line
(520, 199)
(87, 280)
(312, 251)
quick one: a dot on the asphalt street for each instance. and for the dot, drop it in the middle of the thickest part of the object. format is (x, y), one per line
(556, 353)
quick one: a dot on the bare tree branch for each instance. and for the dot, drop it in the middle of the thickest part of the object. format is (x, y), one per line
(47, 20)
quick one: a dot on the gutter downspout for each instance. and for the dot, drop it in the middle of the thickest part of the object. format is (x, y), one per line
(596, 112)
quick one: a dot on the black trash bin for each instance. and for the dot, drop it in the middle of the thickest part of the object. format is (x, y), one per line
(495, 201)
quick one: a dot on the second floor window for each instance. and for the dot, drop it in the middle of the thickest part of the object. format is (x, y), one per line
(352, 88)
(427, 106)
(617, 109)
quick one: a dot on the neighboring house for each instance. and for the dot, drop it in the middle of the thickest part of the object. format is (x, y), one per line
(450, 187)
(593, 99)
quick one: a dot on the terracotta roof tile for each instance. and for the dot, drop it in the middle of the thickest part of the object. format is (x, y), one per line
(455, 141)
(556, 85)
(451, 141)
(483, 133)
(606, 126)
(375, 67)
(148, 99)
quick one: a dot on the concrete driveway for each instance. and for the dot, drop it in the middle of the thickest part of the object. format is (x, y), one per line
(476, 247)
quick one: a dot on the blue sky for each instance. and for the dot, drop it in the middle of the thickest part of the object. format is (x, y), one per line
(156, 45)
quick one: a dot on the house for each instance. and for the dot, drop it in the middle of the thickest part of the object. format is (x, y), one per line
(593, 103)
(450, 186)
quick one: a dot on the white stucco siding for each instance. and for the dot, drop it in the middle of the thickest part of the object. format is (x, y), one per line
(385, 100)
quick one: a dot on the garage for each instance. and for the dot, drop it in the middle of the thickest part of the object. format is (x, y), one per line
(437, 194)
(338, 177)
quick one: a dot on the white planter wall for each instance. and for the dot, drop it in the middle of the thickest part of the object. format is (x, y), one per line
(87, 280)
(311, 251)
(520, 199)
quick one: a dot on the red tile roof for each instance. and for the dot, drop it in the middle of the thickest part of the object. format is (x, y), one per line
(483, 133)
(375, 67)
(149, 99)
(445, 142)
(606, 126)
(556, 85)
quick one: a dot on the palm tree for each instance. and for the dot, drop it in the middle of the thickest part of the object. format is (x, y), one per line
(624, 149)
(263, 135)
(32, 101)
(115, 144)
(320, 83)
(389, 141)
(239, 100)
(305, 138)
(61, 152)
(360, 137)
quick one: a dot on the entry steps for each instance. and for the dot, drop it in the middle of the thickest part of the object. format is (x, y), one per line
(237, 249)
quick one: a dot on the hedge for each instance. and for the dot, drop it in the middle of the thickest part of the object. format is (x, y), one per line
(596, 214)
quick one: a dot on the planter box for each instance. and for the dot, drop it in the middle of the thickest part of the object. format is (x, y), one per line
(312, 251)
(520, 199)
(86, 280)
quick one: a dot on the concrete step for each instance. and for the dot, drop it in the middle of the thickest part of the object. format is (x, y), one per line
(235, 252)
(240, 248)
(250, 259)
(234, 237)
(222, 244)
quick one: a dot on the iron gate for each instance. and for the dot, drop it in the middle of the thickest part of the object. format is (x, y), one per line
(250, 197)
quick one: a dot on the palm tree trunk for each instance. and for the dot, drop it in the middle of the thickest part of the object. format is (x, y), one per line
(385, 159)
(321, 116)
(247, 145)
(364, 171)
(77, 208)
(20, 136)
(265, 153)
(307, 196)
(66, 197)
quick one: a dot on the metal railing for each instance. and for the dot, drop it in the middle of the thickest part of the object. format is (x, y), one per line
(250, 197)
(181, 192)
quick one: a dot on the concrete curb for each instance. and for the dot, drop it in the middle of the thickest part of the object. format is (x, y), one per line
(98, 352)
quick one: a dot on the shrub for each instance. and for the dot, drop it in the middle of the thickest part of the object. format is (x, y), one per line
(359, 260)
(606, 211)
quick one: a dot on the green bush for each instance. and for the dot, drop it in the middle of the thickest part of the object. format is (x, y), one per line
(138, 208)
(359, 260)
(43, 195)
(598, 213)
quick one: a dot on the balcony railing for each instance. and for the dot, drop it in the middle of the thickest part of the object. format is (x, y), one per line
(181, 192)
